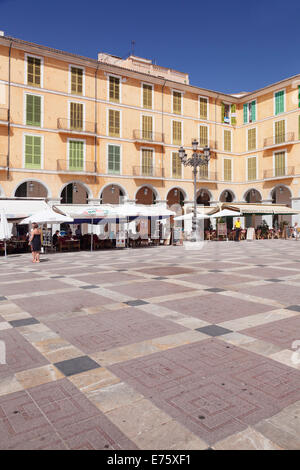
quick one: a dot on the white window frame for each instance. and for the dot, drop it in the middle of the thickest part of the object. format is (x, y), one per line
(181, 93)
(142, 101)
(31, 134)
(182, 139)
(223, 172)
(285, 160)
(247, 158)
(231, 142)
(121, 159)
(120, 78)
(285, 129)
(141, 157)
(68, 151)
(171, 169)
(107, 122)
(26, 70)
(24, 109)
(69, 112)
(274, 102)
(70, 80)
(247, 138)
(203, 125)
(207, 102)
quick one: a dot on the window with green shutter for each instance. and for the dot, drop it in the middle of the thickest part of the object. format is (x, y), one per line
(114, 89)
(147, 96)
(176, 165)
(249, 112)
(252, 139)
(76, 155)
(279, 102)
(203, 107)
(33, 152)
(177, 132)
(298, 96)
(114, 123)
(203, 136)
(225, 113)
(147, 127)
(279, 132)
(233, 114)
(33, 110)
(147, 162)
(177, 102)
(114, 159)
(76, 116)
(227, 141)
(34, 71)
(76, 81)
(279, 164)
(227, 169)
(251, 168)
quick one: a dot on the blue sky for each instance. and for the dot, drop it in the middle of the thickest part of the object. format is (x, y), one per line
(227, 46)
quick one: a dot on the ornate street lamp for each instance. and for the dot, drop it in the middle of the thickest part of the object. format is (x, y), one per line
(197, 159)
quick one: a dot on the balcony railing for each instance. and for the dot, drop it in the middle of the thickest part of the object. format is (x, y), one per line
(148, 172)
(64, 165)
(207, 175)
(279, 139)
(148, 136)
(76, 126)
(3, 161)
(3, 114)
(279, 172)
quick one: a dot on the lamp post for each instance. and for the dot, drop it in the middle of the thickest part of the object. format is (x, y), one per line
(197, 159)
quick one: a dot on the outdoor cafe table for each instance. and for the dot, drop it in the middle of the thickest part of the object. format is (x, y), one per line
(69, 244)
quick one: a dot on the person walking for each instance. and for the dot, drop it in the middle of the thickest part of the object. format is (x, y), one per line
(237, 227)
(35, 242)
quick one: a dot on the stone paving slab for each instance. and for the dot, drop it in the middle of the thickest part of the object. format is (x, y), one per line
(158, 348)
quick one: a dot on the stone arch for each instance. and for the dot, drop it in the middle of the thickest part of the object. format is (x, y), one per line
(278, 188)
(116, 198)
(76, 183)
(147, 187)
(25, 186)
(204, 196)
(229, 197)
(254, 195)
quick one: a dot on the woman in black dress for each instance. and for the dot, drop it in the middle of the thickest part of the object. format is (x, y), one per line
(35, 241)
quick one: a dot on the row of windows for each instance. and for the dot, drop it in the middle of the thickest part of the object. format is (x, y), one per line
(76, 160)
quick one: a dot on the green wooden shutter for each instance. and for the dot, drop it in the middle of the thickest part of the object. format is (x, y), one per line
(203, 136)
(298, 96)
(222, 112)
(33, 110)
(76, 157)
(251, 168)
(253, 111)
(114, 159)
(147, 162)
(279, 102)
(233, 111)
(279, 164)
(32, 152)
(279, 132)
(176, 165)
(227, 169)
(245, 112)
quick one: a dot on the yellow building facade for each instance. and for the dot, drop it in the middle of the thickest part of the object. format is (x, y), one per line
(77, 130)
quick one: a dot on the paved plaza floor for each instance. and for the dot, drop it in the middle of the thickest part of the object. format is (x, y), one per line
(152, 348)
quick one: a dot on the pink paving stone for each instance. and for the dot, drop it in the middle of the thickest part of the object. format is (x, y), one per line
(166, 271)
(282, 332)
(267, 273)
(106, 278)
(283, 293)
(216, 308)
(29, 286)
(100, 332)
(216, 279)
(61, 302)
(213, 389)
(144, 290)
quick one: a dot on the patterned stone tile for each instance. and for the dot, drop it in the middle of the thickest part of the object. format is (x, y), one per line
(149, 289)
(282, 332)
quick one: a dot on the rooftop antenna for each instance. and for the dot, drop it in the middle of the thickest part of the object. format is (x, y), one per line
(132, 47)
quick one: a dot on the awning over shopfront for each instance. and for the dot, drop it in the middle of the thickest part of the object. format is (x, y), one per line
(261, 209)
(16, 209)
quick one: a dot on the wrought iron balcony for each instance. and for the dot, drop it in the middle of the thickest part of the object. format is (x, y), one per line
(3, 114)
(148, 172)
(205, 174)
(148, 136)
(279, 140)
(274, 173)
(66, 166)
(3, 161)
(76, 126)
